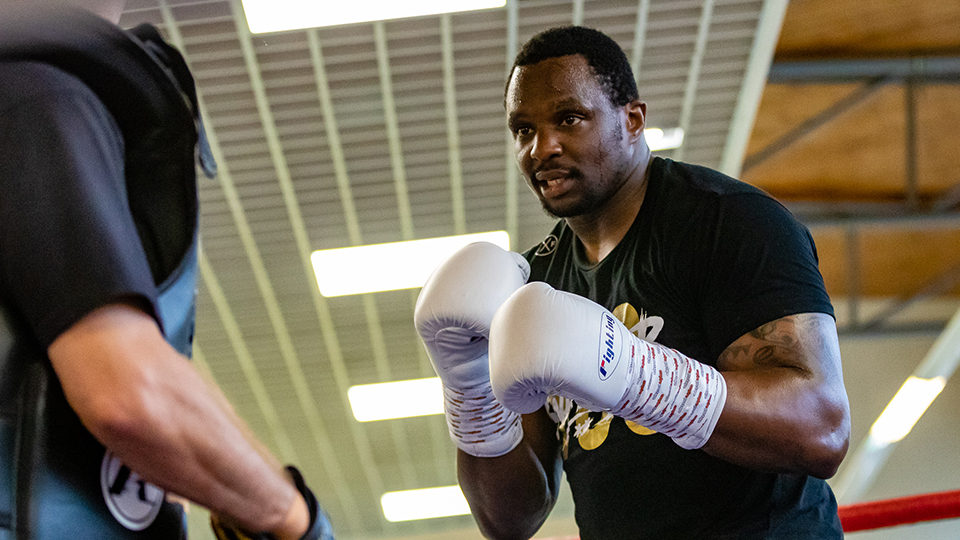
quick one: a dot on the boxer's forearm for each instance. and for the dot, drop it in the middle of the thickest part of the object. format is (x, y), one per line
(511, 496)
(148, 405)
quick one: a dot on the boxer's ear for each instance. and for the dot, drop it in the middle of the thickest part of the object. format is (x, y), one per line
(636, 118)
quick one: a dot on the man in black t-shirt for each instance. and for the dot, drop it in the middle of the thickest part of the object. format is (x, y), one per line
(674, 349)
(100, 408)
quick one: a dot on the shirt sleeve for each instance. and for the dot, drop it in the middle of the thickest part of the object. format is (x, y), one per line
(68, 243)
(763, 266)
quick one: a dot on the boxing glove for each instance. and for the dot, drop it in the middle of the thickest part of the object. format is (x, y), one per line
(546, 342)
(452, 316)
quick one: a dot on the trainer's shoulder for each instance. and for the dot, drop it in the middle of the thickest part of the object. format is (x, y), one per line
(30, 82)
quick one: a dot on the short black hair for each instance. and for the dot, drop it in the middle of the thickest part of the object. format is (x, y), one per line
(603, 54)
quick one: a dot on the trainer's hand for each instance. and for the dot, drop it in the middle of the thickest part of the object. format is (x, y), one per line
(546, 342)
(453, 316)
(319, 527)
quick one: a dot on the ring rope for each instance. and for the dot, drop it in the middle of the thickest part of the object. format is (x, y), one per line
(888, 512)
(900, 511)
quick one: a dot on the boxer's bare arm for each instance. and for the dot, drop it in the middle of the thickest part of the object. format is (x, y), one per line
(148, 404)
(786, 407)
(511, 495)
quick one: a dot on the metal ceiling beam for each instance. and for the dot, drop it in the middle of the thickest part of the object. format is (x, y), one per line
(933, 287)
(693, 74)
(577, 18)
(332, 130)
(381, 359)
(826, 214)
(812, 124)
(639, 37)
(453, 126)
(942, 69)
(364, 452)
(327, 454)
(512, 174)
(854, 274)
(392, 125)
(910, 159)
(247, 365)
(751, 90)
(949, 200)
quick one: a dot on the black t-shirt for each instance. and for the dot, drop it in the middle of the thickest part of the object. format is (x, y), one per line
(68, 243)
(707, 260)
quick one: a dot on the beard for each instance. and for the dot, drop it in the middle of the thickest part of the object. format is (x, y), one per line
(592, 195)
(589, 199)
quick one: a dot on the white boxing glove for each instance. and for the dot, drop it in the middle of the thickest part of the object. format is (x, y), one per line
(546, 342)
(452, 316)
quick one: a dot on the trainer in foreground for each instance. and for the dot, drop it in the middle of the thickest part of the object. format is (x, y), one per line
(100, 410)
(670, 343)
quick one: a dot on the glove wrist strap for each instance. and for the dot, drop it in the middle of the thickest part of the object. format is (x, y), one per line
(673, 394)
(479, 424)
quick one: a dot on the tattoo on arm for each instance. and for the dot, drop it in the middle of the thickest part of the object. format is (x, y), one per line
(769, 345)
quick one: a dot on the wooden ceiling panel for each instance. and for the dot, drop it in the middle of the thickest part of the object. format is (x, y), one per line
(906, 260)
(938, 137)
(783, 107)
(828, 27)
(865, 146)
(892, 261)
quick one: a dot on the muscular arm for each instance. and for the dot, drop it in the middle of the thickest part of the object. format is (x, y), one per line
(511, 495)
(148, 405)
(786, 407)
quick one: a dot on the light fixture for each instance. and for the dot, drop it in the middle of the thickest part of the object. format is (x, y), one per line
(663, 139)
(424, 503)
(280, 15)
(389, 267)
(398, 399)
(906, 407)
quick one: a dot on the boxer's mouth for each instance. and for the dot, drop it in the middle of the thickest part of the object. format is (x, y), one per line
(551, 175)
(554, 182)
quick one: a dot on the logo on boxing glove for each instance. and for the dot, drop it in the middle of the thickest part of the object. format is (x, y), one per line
(609, 346)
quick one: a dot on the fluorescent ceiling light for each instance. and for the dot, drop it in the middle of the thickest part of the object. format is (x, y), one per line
(389, 267)
(399, 399)
(424, 503)
(663, 139)
(280, 15)
(903, 411)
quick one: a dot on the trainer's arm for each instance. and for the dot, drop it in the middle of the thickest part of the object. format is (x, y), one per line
(147, 404)
(511, 495)
(786, 408)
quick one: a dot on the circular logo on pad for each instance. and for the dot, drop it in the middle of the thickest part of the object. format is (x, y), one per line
(134, 502)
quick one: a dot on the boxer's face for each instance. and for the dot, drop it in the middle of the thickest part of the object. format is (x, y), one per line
(569, 138)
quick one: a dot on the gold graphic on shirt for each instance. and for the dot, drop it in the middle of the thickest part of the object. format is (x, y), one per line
(641, 325)
(627, 314)
(638, 429)
(591, 435)
(589, 427)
